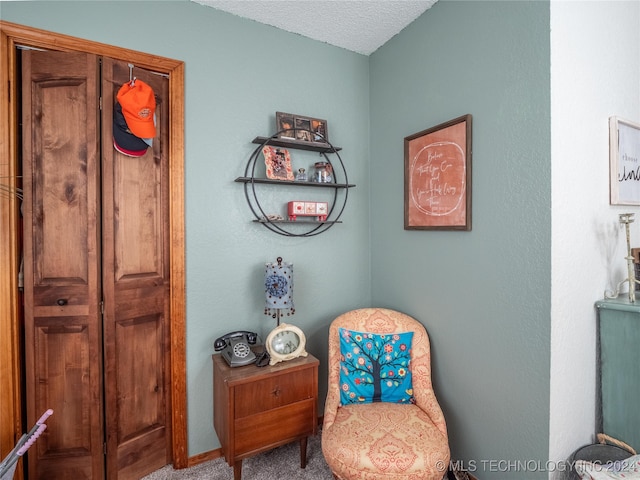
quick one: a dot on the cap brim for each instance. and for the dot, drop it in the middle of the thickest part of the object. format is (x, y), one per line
(149, 141)
(141, 128)
(129, 153)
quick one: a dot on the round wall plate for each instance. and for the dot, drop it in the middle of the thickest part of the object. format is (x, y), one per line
(285, 342)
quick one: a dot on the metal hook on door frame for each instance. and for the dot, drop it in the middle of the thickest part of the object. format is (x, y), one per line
(132, 79)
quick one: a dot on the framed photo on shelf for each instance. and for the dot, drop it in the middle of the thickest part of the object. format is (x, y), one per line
(319, 130)
(278, 163)
(624, 162)
(302, 128)
(437, 177)
(284, 125)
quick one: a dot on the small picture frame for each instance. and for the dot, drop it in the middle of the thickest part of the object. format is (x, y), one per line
(624, 162)
(301, 128)
(319, 130)
(278, 163)
(285, 124)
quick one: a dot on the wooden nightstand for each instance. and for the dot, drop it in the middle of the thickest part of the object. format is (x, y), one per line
(257, 409)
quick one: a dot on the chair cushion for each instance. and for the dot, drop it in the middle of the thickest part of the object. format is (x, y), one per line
(375, 367)
(385, 441)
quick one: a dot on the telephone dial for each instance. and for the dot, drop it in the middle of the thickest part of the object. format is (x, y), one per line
(236, 348)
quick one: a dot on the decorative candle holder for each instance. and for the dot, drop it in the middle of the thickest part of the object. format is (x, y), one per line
(626, 219)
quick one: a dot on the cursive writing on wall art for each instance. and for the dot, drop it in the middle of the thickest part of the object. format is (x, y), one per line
(437, 177)
(624, 169)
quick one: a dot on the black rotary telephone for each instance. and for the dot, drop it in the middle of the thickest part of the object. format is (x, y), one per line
(236, 348)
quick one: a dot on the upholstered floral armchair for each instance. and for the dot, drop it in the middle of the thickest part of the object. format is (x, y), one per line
(392, 432)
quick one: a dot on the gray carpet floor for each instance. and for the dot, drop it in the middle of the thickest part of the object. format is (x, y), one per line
(279, 463)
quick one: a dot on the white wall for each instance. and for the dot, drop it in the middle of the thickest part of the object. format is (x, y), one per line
(595, 73)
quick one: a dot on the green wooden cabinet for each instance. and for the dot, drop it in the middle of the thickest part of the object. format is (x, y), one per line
(619, 369)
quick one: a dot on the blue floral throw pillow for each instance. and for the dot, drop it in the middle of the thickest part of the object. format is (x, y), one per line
(375, 368)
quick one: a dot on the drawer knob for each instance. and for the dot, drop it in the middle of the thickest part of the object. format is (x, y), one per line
(276, 392)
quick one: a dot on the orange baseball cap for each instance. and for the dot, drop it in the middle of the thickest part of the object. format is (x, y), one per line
(138, 104)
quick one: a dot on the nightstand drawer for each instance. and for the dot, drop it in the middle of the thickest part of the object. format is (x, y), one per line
(268, 393)
(275, 427)
(257, 409)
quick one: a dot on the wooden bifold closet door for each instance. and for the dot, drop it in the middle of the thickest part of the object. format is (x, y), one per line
(96, 253)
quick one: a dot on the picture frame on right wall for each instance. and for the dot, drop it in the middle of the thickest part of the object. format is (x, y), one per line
(437, 177)
(624, 162)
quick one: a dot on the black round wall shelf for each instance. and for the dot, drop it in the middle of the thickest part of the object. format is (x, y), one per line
(295, 228)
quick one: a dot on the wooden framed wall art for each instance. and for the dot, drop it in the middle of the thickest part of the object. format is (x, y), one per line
(437, 177)
(624, 162)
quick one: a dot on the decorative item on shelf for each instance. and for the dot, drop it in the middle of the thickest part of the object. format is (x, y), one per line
(626, 219)
(308, 209)
(278, 283)
(301, 176)
(273, 217)
(278, 163)
(322, 172)
(303, 128)
(338, 187)
(284, 122)
(319, 129)
(286, 342)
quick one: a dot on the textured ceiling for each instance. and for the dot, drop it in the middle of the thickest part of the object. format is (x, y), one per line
(361, 26)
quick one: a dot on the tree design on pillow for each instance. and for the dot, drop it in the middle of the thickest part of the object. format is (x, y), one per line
(378, 362)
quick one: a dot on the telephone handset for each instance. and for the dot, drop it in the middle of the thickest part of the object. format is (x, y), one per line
(236, 348)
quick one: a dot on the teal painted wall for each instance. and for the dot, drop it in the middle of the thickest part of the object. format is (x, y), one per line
(483, 295)
(238, 74)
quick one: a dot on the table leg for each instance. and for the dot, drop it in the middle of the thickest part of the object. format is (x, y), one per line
(303, 452)
(237, 470)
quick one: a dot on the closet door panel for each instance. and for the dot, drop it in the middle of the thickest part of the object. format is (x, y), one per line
(138, 219)
(136, 290)
(141, 411)
(63, 337)
(62, 361)
(61, 186)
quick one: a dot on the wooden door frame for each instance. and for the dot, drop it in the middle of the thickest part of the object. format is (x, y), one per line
(12, 35)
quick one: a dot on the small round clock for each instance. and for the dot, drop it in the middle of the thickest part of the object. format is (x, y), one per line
(285, 342)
